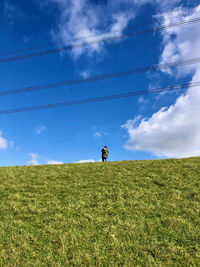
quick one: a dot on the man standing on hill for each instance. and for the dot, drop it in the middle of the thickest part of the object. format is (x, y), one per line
(105, 153)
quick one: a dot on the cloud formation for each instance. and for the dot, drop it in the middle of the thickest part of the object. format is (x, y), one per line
(37, 161)
(54, 162)
(97, 134)
(41, 129)
(92, 20)
(173, 131)
(85, 161)
(182, 42)
(3, 142)
(86, 20)
(34, 160)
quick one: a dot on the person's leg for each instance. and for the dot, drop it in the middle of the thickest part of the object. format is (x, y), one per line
(102, 159)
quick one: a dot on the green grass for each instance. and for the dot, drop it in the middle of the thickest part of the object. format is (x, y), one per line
(131, 213)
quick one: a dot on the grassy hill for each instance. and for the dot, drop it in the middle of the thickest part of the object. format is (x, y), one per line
(127, 213)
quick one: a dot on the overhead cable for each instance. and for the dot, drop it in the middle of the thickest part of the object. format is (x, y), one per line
(100, 99)
(158, 67)
(11, 52)
(64, 41)
(106, 39)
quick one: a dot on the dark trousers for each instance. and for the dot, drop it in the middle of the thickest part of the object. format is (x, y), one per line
(103, 159)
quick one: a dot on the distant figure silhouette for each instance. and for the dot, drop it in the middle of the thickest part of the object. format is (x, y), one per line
(105, 153)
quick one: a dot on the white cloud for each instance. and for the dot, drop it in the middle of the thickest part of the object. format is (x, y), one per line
(174, 131)
(3, 142)
(182, 42)
(74, 23)
(34, 160)
(54, 162)
(91, 20)
(166, 4)
(142, 100)
(86, 20)
(39, 130)
(85, 74)
(85, 161)
(171, 132)
(33, 155)
(97, 134)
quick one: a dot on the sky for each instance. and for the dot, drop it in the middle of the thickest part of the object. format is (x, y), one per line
(153, 126)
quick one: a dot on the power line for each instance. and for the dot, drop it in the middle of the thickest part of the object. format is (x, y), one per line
(100, 99)
(103, 77)
(116, 37)
(61, 42)
(53, 44)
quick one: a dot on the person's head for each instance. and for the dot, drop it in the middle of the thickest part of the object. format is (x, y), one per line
(105, 146)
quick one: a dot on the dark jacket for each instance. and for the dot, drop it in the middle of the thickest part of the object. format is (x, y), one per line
(105, 153)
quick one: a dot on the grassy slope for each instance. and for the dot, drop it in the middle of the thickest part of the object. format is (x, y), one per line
(112, 214)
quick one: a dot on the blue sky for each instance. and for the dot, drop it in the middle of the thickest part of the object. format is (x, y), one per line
(143, 127)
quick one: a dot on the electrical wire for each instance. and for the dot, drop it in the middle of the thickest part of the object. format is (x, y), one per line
(84, 44)
(102, 77)
(100, 99)
(54, 44)
(62, 42)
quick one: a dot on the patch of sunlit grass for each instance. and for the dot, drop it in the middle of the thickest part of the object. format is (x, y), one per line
(104, 214)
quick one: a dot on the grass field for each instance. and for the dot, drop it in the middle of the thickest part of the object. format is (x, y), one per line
(131, 213)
